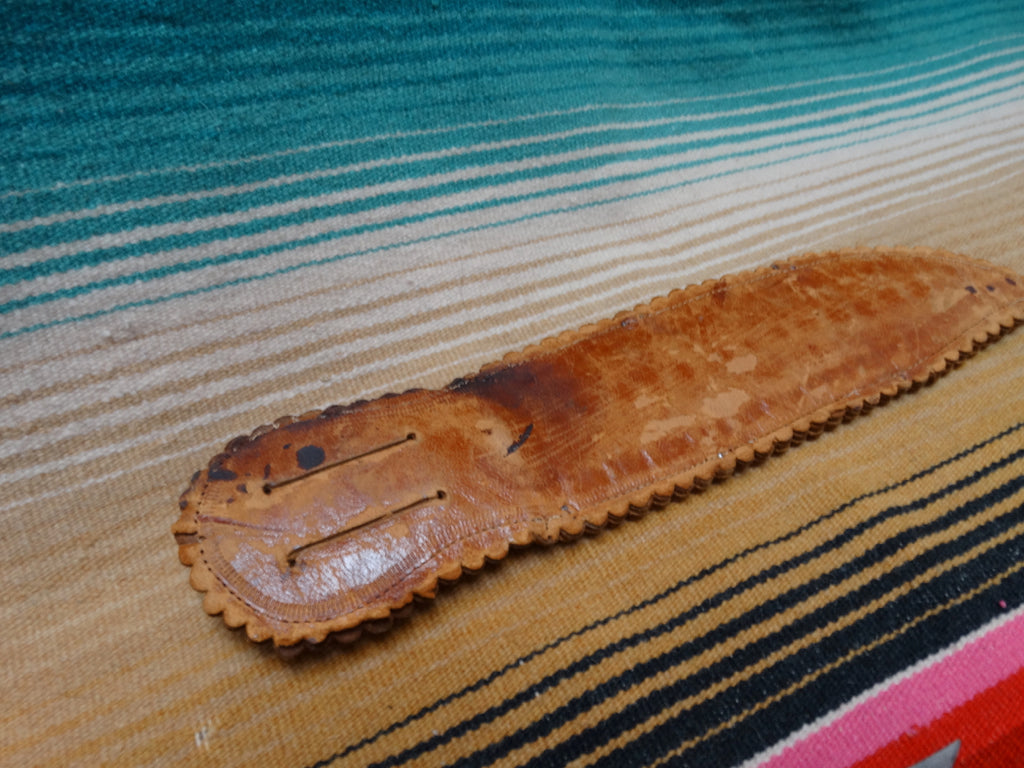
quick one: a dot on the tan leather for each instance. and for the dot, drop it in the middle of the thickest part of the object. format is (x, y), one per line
(338, 518)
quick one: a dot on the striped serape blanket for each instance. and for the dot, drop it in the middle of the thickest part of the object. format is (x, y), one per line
(215, 214)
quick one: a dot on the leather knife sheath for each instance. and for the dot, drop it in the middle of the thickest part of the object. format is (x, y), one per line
(335, 520)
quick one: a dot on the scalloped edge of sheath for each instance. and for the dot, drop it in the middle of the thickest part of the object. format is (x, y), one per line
(220, 599)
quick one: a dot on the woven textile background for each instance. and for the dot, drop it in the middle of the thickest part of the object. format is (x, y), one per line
(216, 214)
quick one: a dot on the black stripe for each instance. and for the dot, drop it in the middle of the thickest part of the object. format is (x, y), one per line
(720, 634)
(772, 724)
(639, 711)
(844, 683)
(586, 662)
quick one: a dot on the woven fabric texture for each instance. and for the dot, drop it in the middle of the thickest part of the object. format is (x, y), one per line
(216, 214)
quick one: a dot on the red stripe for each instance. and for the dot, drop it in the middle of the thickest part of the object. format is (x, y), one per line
(990, 727)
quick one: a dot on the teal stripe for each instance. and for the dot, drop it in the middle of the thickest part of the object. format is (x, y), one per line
(245, 129)
(290, 49)
(438, 236)
(70, 262)
(586, 49)
(178, 181)
(592, 141)
(103, 88)
(183, 182)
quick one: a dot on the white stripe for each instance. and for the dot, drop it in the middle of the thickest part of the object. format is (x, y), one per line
(401, 383)
(790, 243)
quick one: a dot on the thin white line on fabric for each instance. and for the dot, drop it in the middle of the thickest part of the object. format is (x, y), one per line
(132, 292)
(876, 168)
(594, 128)
(64, 280)
(360, 289)
(175, 402)
(931, 661)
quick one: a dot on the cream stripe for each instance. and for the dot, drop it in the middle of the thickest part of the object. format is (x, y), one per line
(128, 293)
(242, 355)
(286, 342)
(103, 391)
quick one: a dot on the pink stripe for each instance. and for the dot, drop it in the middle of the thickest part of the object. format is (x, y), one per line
(911, 703)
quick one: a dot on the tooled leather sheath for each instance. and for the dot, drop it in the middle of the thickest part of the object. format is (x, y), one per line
(334, 521)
